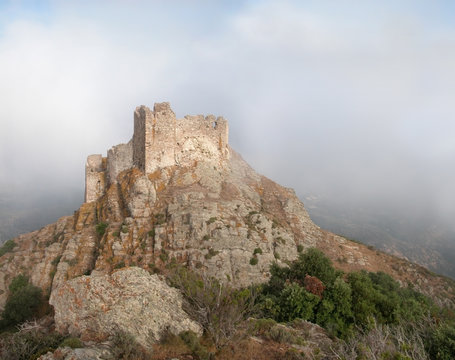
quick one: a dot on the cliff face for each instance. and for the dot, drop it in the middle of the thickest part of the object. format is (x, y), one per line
(215, 216)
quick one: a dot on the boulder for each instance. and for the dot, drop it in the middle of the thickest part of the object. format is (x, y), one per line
(95, 307)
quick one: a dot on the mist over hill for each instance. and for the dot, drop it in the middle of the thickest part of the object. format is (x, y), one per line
(414, 234)
(27, 210)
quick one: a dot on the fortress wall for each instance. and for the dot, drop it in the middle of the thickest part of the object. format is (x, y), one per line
(95, 177)
(119, 158)
(201, 138)
(141, 114)
(160, 138)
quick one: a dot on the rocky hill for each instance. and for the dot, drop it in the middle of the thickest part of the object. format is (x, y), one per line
(192, 200)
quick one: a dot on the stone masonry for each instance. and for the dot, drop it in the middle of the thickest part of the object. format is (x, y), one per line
(159, 140)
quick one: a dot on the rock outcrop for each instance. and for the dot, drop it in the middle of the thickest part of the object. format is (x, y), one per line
(129, 300)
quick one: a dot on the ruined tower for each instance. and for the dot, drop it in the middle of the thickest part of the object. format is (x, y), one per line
(154, 137)
(159, 141)
(95, 177)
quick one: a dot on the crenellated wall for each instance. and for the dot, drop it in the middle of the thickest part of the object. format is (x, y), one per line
(159, 140)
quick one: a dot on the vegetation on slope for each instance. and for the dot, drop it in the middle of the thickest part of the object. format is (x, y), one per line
(367, 315)
(359, 305)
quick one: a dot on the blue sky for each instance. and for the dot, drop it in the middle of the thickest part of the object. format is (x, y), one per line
(352, 99)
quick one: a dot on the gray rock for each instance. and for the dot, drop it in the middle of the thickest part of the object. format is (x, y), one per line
(130, 300)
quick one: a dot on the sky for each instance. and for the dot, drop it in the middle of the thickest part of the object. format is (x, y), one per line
(351, 100)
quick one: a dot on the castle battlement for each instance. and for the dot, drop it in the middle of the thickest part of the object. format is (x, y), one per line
(159, 140)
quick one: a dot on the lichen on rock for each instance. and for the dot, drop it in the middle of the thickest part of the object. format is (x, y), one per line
(130, 300)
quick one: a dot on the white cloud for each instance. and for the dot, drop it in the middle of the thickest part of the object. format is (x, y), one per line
(320, 99)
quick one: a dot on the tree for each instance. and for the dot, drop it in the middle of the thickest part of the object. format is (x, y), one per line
(296, 302)
(313, 262)
(22, 302)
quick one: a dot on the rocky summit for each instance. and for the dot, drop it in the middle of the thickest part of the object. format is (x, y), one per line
(178, 193)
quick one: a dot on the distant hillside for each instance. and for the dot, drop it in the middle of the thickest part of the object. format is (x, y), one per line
(420, 239)
(24, 212)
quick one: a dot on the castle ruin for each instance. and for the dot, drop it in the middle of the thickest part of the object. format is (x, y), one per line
(159, 140)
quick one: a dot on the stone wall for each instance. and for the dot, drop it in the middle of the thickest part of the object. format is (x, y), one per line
(119, 158)
(95, 177)
(142, 115)
(160, 140)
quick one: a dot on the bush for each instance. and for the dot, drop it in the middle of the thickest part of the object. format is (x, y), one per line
(394, 342)
(261, 326)
(281, 334)
(441, 343)
(211, 254)
(314, 285)
(313, 262)
(28, 343)
(101, 228)
(125, 347)
(219, 308)
(18, 282)
(72, 342)
(254, 260)
(159, 219)
(257, 251)
(296, 302)
(22, 303)
(8, 246)
(198, 350)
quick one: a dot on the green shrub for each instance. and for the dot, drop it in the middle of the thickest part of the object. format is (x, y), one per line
(254, 260)
(192, 341)
(164, 256)
(120, 265)
(159, 219)
(219, 308)
(300, 248)
(257, 251)
(22, 303)
(8, 246)
(17, 283)
(441, 343)
(211, 220)
(124, 229)
(211, 254)
(151, 233)
(355, 302)
(261, 326)
(313, 262)
(125, 347)
(276, 255)
(72, 342)
(28, 344)
(281, 334)
(101, 228)
(296, 302)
